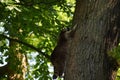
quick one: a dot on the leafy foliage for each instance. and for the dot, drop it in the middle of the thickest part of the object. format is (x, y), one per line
(115, 53)
(35, 22)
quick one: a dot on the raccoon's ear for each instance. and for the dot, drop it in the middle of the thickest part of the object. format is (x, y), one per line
(71, 31)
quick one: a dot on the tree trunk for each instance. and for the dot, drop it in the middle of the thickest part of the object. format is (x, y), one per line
(99, 29)
(17, 64)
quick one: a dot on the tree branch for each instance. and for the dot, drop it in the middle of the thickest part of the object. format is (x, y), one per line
(28, 45)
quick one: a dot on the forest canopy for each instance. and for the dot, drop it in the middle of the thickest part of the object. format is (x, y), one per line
(32, 26)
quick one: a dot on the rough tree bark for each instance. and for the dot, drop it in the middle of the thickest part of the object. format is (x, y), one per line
(98, 33)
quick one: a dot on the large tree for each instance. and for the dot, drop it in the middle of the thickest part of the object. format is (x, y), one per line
(98, 33)
(29, 28)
